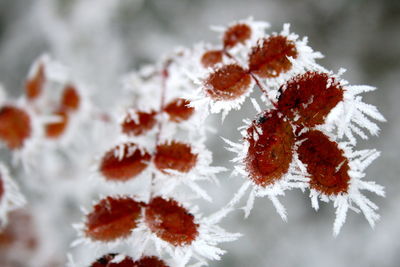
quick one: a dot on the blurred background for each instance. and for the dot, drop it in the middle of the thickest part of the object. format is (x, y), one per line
(102, 39)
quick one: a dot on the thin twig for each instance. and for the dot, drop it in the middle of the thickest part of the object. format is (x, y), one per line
(164, 77)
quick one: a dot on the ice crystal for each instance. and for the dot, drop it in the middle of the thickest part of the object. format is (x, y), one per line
(10, 196)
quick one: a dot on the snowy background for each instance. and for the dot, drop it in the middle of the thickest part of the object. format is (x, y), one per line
(102, 39)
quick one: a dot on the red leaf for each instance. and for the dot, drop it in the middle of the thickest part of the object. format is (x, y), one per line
(325, 162)
(112, 218)
(171, 222)
(179, 110)
(269, 58)
(15, 126)
(150, 262)
(310, 97)
(227, 83)
(129, 166)
(34, 86)
(106, 261)
(176, 156)
(236, 34)
(56, 129)
(145, 122)
(211, 58)
(70, 99)
(270, 152)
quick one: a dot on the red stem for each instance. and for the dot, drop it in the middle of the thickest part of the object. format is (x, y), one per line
(164, 77)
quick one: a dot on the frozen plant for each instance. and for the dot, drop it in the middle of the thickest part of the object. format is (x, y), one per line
(304, 137)
(158, 154)
(144, 162)
(51, 132)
